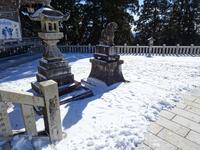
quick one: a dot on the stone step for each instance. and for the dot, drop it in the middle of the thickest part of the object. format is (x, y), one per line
(78, 94)
(53, 72)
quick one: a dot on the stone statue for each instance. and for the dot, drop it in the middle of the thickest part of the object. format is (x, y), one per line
(106, 64)
(107, 34)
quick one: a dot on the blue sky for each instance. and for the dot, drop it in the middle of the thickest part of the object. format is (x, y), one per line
(141, 1)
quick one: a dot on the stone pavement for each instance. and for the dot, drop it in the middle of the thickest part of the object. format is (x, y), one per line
(176, 129)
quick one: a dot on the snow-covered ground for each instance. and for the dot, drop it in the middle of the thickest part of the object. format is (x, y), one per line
(117, 116)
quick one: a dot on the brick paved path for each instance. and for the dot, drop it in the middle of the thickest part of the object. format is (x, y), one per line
(176, 129)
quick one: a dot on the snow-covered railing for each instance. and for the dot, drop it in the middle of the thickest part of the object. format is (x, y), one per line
(159, 50)
(77, 48)
(124, 49)
(50, 103)
(137, 50)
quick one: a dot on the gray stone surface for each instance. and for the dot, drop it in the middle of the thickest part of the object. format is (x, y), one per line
(176, 128)
(157, 143)
(108, 72)
(106, 65)
(155, 128)
(167, 114)
(194, 136)
(179, 127)
(186, 114)
(177, 140)
(187, 123)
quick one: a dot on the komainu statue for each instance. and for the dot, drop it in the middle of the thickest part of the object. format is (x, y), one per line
(107, 35)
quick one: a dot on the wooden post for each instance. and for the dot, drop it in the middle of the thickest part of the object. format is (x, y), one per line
(29, 119)
(52, 110)
(5, 127)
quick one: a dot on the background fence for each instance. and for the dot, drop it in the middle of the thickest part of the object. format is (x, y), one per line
(138, 50)
(163, 50)
(19, 47)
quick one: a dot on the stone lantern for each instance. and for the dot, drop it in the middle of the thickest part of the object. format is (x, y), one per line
(151, 41)
(53, 65)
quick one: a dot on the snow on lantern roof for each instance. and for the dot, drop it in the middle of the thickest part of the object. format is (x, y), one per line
(151, 38)
(49, 13)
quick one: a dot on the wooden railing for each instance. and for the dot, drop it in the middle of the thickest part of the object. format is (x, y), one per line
(49, 101)
(137, 50)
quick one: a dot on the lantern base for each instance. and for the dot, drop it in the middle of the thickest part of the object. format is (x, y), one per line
(60, 71)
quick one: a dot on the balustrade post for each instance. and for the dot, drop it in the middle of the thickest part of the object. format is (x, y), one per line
(177, 49)
(191, 49)
(5, 127)
(137, 48)
(90, 49)
(52, 110)
(163, 49)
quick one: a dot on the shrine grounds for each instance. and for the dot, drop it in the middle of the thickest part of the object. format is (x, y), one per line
(116, 117)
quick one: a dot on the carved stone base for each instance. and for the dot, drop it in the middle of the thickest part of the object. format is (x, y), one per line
(108, 72)
(61, 89)
(59, 71)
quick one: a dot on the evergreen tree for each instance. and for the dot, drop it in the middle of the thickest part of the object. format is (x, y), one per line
(29, 28)
(99, 13)
(153, 19)
(89, 17)
(182, 22)
(72, 26)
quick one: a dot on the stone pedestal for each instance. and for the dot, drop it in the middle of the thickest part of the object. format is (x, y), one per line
(106, 65)
(53, 66)
(58, 71)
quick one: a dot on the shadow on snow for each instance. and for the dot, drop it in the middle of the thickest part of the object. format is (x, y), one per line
(75, 110)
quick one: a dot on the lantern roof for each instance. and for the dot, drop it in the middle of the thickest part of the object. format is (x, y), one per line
(151, 38)
(49, 13)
